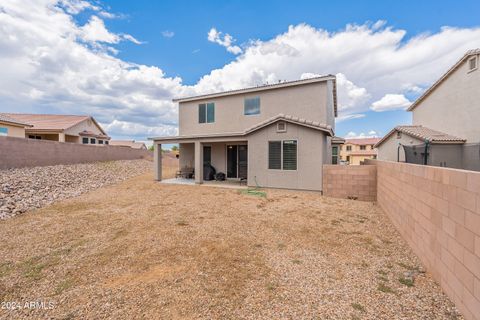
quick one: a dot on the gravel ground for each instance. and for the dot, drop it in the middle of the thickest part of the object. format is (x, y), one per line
(144, 250)
(29, 188)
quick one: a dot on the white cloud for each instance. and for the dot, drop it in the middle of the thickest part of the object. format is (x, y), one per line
(225, 41)
(370, 134)
(370, 61)
(168, 34)
(50, 63)
(95, 30)
(390, 102)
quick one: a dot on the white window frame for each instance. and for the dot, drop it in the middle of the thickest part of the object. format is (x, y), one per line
(281, 155)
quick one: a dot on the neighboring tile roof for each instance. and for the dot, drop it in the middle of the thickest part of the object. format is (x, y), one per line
(445, 76)
(280, 117)
(53, 122)
(268, 87)
(128, 143)
(363, 153)
(424, 133)
(49, 121)
(5, 118)
(362, 141)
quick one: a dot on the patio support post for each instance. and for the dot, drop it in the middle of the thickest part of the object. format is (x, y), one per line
(157, 161)
(61, 137)
(198, 162)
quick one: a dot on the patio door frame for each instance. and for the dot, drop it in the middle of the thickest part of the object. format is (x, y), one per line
(226, 158)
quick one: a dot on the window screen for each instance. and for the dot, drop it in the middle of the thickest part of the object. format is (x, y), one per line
(251, 106)
(202, 113)
(100, 141)
(85, 140)
(290, 155)
(274, 155)
(92, 140)
(210, 112)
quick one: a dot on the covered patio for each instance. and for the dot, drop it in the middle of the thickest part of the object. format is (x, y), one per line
(225, 154)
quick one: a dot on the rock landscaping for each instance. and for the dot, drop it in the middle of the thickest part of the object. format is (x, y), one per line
(30, 188)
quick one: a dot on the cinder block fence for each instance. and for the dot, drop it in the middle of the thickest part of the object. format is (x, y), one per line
(436, 210)
(350, 182)
(20, 152)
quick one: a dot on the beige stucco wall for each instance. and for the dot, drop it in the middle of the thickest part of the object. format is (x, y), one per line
(388, 149)
(87, 125)
(310, 101)
(186, 155)
(13, 131)
(311, 152)
(454, 106)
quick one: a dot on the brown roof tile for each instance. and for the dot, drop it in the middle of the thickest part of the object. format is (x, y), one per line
(424, 133)
(362, 141)
(48, 121)
(5, 118)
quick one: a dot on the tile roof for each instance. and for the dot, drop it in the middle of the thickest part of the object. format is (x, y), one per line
(424, 133)
(48, 121)
(362, 141)
(127, 143)
(363, 153)
(268, 87)
(51, 122)
(292, 119)
(468, 54)
(5, 118)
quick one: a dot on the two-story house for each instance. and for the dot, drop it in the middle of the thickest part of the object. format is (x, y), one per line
(445, 130)
(354, 151)
(272, 135)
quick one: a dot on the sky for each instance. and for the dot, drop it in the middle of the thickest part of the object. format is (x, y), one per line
(123, 61)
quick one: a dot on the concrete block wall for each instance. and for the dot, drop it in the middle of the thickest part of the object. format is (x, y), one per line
(437, 211)
(21, 152)
(358, 182)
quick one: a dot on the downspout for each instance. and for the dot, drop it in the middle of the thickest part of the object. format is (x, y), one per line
(425, 161)
(398, 152)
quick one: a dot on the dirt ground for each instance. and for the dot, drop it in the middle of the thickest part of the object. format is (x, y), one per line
(144, 250)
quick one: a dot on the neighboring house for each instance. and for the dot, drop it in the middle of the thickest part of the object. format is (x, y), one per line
(337, 143)
(128, 143)
(357, 150)
(12, 128)
(445, 118)
(273, 135)
(62, 128)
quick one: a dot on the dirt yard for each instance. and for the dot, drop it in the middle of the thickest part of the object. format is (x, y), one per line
(143, 250)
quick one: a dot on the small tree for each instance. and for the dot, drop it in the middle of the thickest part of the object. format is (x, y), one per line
(175, 148)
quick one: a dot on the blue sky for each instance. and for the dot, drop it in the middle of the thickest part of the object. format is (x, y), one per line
(123, 61)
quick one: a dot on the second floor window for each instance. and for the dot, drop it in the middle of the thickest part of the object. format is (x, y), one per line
(349, 148)
(363, 147)
(206, 112)
(251, 106)
(85, 140)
